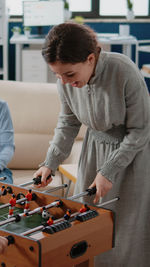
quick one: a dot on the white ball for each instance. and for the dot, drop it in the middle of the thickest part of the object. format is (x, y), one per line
(45, 214)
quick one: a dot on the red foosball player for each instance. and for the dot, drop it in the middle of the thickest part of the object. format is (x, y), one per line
(67, 215)
(50, 221)
(12, 203)
(84, 208)
(29, 198)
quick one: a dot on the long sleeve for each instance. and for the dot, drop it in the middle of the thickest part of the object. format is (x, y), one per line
(66, 131)
(6, 136)
(137, 125)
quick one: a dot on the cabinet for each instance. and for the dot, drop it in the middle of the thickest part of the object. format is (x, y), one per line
(30, 65)
(3, 40)
(143, 46)
(34, 68)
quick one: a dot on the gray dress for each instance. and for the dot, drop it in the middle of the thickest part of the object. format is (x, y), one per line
(115, 106)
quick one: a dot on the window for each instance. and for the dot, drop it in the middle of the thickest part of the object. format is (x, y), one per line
(92, 8)
(15, 7)
(80, 5)
(109, 8)
(119, 7)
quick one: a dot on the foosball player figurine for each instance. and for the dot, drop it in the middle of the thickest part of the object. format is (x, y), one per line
(67, 215)
(29, 198)
(3, 191)
(84, 208)
(50, 220)
(12, 205)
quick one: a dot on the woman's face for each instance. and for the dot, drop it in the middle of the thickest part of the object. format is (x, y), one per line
(78, 74)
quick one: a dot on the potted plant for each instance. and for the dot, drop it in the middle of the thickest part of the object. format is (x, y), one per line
(79, 19)
(27, 30)
(67, 12)
(130, 13)
(16, 30)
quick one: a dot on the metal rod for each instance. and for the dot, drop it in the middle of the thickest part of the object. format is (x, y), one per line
(78, 195)
(51, 205)
(9, 220)
(68, 188)
(25, 184)
(17, 202)
(107, 202)
(55, 188)
(38, 228)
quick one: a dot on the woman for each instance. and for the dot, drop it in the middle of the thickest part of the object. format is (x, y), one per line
(106, 92)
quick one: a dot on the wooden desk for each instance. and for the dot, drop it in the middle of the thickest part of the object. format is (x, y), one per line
(70, 172)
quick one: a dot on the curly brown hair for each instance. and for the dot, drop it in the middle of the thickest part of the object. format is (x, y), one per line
(69, 43)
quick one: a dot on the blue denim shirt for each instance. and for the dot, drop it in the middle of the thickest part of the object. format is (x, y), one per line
(7, 146)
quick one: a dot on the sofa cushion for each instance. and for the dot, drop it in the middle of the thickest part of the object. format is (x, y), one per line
(34, 109)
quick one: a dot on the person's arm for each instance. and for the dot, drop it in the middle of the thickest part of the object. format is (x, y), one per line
(60, 147)
(6, 136)
(3, 244)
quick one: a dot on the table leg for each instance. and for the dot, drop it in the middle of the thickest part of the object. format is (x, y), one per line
(127, 50)
(67, 190)
(18, 62)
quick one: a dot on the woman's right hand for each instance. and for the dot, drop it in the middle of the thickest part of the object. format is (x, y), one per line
(3, 244)
(44, 172)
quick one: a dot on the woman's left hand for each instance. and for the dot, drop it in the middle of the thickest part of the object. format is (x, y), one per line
(103, 185)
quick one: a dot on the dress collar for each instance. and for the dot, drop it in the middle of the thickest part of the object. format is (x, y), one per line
(99, 66)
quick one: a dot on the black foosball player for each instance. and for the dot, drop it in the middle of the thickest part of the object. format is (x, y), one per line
(67, 215)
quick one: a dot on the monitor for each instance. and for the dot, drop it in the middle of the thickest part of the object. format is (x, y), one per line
(43, 13)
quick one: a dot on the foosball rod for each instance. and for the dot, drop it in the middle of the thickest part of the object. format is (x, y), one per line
(89, 192)
(24, 214)
(17, 202)
(72, 216)
(40, 227)
(55, 188)
(34, 181)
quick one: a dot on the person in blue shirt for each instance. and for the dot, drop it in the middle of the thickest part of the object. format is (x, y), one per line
(7, 146)
(6, 152)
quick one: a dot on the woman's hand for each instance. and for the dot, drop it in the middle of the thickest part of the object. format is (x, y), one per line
(44, 172)
(3, 244)
(102, 186)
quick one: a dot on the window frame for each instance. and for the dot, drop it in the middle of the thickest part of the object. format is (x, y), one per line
(94, 13)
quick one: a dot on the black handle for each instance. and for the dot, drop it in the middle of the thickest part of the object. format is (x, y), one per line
(10, 239)
(37, 180)
(91, 191)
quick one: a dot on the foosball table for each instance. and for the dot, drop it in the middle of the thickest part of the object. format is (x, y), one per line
(43, 230)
